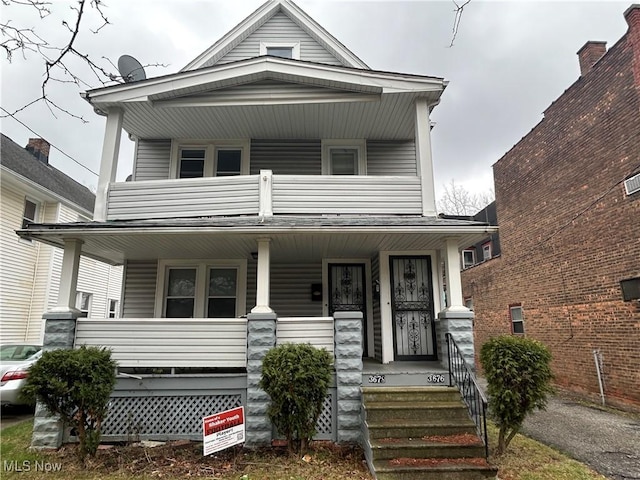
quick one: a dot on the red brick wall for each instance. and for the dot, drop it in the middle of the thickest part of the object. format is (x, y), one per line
(569, 233)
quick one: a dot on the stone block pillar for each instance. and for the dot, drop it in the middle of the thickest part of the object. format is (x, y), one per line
(59, 333)
(348, 363)
(460, 325)
(261, 337)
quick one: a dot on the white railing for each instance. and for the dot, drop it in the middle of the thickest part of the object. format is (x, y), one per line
(264, 194)
(318, 331)
(168, 343)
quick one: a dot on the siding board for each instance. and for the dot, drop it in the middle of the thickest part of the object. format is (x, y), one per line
(395, 158)
(280, 28)
(139, 289)
(282, 157)
(168, 342)
(316, 331)
(152, 160)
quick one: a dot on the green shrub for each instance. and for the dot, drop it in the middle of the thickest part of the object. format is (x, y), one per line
(518, 373)
(76, 385)
(296, 377)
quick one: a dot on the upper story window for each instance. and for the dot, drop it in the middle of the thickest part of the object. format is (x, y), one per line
(201, 289)
(486, 251)
(30, 212)
(281, 49)
(468, 258)
(517, 319)
(193, 159)
(344, 157)
(113, 308)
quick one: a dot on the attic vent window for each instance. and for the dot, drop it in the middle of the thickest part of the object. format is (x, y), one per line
(632, 184)
(283, 50)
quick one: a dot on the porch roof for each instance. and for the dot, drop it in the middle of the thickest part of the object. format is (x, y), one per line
(293, 238)
(269, 97)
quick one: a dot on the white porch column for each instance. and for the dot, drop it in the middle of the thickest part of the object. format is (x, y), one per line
(455, 301)
(69, 275)
(263, 287)
(424, 159)
(108, 162)
(266, 195)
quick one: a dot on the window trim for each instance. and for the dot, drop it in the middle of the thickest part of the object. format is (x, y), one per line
(512, 307)
(294, 46)
(358, 144)
(211, 148)
(202, 267)
(473, 253)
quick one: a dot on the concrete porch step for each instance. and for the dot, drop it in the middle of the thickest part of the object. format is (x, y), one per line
(410, 394)
(388, 448)
(415, 429)
(417, 411)
(388, 470)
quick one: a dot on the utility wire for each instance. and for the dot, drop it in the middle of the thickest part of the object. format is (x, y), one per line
(51, 144)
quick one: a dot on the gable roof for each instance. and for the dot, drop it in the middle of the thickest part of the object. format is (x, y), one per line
(16, 159)
(258, 18)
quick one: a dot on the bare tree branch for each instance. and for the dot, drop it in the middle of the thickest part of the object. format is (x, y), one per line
(57, 58)
(456, 20)
(456, 200)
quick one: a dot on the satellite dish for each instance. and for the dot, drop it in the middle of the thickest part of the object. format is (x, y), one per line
(130, 69)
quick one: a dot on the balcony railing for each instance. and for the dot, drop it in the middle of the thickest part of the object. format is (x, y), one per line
(264, 194)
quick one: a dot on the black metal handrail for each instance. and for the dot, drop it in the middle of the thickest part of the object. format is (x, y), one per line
(461, 374)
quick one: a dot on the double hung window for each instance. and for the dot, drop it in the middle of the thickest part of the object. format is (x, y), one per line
(202, 290)
(517, 319)
(197, 160)
(344, 157)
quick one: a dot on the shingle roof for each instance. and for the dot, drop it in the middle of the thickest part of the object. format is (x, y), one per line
(18, 160)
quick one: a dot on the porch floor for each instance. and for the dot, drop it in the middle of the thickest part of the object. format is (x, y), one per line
(409, 373)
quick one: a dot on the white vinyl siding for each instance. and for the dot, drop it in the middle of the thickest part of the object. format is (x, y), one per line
(346, 194)
(295, 157)
(291, 289)
(196, 197)
(139, 289)
(317, 331)
(397, 158)
(169, 343)
(279, 29)
(152, 160)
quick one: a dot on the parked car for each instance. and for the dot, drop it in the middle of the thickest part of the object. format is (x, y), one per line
(15, 360)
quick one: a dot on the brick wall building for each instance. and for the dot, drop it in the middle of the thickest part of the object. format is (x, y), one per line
(570, 232)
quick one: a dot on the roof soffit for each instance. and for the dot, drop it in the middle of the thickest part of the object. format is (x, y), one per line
(258, 18)
(262, 68)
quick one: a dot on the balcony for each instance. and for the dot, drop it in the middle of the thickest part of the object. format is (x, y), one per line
(264, 194)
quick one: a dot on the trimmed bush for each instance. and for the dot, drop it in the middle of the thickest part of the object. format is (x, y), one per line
(518, 373)
(296, 377)
(76, 385)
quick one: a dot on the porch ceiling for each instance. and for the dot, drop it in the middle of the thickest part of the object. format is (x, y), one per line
(266, 97)
(293, 239)
(390, 116)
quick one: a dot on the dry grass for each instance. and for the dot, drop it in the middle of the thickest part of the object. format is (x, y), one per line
(525, 459)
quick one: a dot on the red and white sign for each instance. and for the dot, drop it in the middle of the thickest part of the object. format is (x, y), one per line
(223, 430)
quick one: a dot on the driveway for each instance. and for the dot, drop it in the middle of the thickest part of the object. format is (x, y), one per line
(606, 440)
(12, 415)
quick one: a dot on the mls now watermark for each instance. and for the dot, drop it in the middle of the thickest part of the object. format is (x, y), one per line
(31, 466)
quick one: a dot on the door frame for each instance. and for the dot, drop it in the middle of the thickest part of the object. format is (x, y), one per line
(388, 347)
(432, 313)
(368, 320)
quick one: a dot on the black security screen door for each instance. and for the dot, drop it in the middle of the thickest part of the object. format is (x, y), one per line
(412, 308)
(347, 292)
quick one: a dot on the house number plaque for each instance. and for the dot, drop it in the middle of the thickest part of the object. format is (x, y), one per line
(377, 379)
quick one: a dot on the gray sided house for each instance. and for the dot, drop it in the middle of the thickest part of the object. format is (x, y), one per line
(282, 192)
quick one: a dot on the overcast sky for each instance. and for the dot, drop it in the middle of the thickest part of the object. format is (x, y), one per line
(509, 62)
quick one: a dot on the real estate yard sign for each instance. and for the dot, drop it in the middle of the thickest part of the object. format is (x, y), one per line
(223, 430)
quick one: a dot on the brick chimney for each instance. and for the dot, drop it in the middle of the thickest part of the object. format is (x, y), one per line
(39, 148)
(589, 54)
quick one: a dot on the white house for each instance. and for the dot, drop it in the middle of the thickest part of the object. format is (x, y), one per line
(34, 191)
(281, 191)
